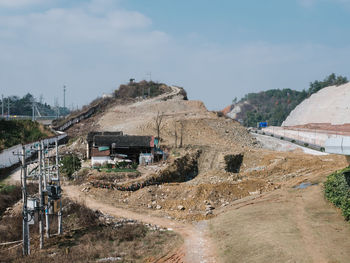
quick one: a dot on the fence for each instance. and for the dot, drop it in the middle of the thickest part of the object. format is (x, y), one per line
(10, 157)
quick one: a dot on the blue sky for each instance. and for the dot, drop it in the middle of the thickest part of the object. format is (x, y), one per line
(216, 50)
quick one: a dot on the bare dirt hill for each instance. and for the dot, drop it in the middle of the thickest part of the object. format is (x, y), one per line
(200, 126)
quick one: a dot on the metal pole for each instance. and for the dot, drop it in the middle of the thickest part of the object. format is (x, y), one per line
(26, 248)
(33, 112)
(47, 219)
(58, 183)
(41, 218)
(64, 96)
(8, 108)
(2, 106)
(44, 166)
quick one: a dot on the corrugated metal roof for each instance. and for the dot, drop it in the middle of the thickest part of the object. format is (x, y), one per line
(92, 134)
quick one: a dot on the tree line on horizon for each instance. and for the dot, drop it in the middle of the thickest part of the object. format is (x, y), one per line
(24, 106)
(275, 105)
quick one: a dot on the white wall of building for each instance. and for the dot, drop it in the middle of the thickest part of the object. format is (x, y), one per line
(99, 160)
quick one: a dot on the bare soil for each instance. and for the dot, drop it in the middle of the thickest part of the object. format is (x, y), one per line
(196, 247)
(287, 225)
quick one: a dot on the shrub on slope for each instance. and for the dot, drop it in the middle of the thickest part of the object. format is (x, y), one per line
(337, 190)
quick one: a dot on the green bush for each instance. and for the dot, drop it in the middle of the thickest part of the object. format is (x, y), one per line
(15, 132)
(306, 144)
(134, 166)
(322, 149)
(69, 164)
(337, 190)
(293, 141)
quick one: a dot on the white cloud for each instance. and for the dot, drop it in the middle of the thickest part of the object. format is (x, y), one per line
(20, 3)
(83, 45)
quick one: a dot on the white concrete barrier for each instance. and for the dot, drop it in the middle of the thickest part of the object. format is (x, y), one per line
(338, 145)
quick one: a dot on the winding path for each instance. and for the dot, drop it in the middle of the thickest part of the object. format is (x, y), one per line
(196, 248)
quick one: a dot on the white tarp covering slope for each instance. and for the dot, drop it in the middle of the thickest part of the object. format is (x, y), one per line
(329, 105)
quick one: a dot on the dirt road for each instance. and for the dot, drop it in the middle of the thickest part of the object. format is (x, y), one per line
(197, 247)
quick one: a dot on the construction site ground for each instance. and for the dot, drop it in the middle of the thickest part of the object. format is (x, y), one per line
(257, 214)
(260, 209)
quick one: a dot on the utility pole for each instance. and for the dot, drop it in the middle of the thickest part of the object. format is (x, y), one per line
(26, 246)
(64, 96)
(33, 111)
(41, 197)
(2, 105)
(47, 219)
(58, 184)
(150, 75)
(8, 108)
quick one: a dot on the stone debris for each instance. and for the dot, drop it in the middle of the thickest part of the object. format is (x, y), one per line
(180, 207)
(109, 259)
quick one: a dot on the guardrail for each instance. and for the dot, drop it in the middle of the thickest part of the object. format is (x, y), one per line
(292, 140)
(10, 157)
(26, 117)
(338, 145)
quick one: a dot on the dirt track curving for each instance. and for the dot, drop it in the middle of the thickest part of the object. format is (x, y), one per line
(197, 247)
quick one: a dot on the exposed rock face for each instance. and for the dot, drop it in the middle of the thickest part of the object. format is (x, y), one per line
(180, 170)
(329, 105)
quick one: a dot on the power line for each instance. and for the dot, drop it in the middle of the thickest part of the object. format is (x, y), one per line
(49, 192)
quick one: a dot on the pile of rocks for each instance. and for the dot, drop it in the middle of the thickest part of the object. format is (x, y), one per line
(208, 208)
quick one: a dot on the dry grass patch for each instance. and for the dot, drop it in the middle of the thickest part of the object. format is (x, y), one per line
(88, 239)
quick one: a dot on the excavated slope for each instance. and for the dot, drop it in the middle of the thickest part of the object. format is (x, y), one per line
(329, 105)
(199, 126)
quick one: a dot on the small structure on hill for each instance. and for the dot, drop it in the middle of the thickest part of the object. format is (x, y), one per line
(91, 136)
(112, 147)
(100, 156)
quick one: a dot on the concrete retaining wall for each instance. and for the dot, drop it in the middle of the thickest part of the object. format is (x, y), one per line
(314, 137)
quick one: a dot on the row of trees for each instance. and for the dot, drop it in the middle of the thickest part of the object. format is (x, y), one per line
(24, 106)
(15, 132)
(275, 105)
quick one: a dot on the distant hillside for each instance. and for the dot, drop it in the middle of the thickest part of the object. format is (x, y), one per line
(24, 106)
(15, 132)
(275, 105)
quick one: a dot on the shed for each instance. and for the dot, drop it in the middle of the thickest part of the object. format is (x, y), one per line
(100, 157)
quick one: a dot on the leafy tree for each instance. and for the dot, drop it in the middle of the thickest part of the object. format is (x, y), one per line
(69, 164)
(24, 106)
